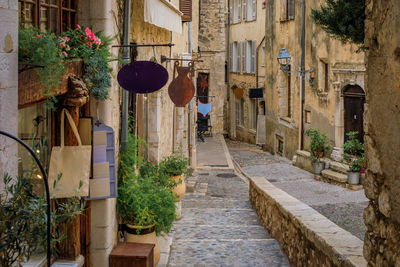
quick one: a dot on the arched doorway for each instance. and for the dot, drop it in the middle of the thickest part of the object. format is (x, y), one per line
(354, 99)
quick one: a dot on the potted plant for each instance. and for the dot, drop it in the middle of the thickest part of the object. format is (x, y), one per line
(353, 154)
(319, 147)
(175, 167)
(146, 208)
(23, 220)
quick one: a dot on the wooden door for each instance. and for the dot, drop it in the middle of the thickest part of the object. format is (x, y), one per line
(354, 99)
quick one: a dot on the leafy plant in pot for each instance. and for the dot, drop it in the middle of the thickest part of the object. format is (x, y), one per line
(145, 207)
(353, 154)
(175, 167)
(319, 147)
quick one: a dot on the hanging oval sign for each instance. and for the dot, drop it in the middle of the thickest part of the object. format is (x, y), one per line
(142, 77)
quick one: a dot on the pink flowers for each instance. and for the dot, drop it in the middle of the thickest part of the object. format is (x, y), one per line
(93, 39)
(78, 26)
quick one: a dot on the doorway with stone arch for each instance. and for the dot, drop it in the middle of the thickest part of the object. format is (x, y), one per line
(353, 104)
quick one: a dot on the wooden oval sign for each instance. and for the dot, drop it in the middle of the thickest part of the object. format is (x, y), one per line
(142, 77)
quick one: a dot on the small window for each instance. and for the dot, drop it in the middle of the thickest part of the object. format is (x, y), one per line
(326, 76)
(287, 10)
(308, 116)
(249, 56)
(249, 10)
(234, 56)
(236, 10)
(54, 15)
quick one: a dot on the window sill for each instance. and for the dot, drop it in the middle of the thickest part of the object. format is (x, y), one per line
(286, 121)
(252, 131)
(285, 20)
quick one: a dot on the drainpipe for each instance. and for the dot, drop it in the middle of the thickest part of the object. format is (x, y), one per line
(125, 57)
(303, 75)
(228, 40)
(257, 51)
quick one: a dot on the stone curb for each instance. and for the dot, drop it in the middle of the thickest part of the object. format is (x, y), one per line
(334, 244)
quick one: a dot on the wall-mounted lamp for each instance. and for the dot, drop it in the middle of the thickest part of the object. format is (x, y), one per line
(285, 59)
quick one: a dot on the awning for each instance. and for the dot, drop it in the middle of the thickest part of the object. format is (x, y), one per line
(256, 93)
(163, 14)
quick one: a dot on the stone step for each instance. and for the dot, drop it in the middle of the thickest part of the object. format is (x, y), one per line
(335, 176)
(338, 167)
(185, 232)
(227, 253)
(210, 202)
(212, 217)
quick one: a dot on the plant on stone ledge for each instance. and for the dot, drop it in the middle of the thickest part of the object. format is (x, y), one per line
(319, 145)
(353, 152)
(46, 53)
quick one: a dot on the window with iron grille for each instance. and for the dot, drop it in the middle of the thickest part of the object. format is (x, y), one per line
(54, 15)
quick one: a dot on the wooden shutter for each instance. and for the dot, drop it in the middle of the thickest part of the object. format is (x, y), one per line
(253, 56)
(254, 9)
(284, 9)
(290, 11)
(239, 10)
(245, 10)
(185, 6)
(244, 57)
(238, 46)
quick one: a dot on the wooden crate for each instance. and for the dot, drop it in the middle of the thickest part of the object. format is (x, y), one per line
(129, 254)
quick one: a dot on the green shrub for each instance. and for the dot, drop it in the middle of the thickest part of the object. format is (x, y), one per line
(353, 152)
(143, 198)
(319, 145)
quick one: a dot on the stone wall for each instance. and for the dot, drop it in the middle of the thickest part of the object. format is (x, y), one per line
(382, 142)
(8, 86)
(212, 43)
(306, 237)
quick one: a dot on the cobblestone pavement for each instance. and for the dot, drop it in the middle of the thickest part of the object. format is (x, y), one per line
(340, 205)
(219, 226)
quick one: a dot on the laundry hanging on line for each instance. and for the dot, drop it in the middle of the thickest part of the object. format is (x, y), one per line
(204, 108)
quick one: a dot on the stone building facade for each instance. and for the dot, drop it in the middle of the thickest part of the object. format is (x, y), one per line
(247, 67)
(336, 69)
(212, 45)
(382, 185)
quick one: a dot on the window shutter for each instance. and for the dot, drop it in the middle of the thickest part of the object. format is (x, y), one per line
(253, 56)
(254, 9)
(185, 6)
(284, 10)
(245, 10)
(290, 9)
(239, 10)
(244, 46)
(238, 56)
(231, 11)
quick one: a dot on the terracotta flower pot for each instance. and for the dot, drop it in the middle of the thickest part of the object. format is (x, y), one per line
(147, 235)
(179, 189)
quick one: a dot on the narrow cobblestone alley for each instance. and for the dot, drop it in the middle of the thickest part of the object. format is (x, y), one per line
(218, 225)
(342, 206)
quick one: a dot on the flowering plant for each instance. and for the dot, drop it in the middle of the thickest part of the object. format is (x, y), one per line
(46, 52)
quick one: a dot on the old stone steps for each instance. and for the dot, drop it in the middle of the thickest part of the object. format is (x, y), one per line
(334, 175)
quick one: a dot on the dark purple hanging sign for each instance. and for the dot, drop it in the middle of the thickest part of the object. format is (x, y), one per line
(142, 77)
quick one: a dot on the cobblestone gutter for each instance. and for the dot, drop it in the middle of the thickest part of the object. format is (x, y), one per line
(306, 237)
